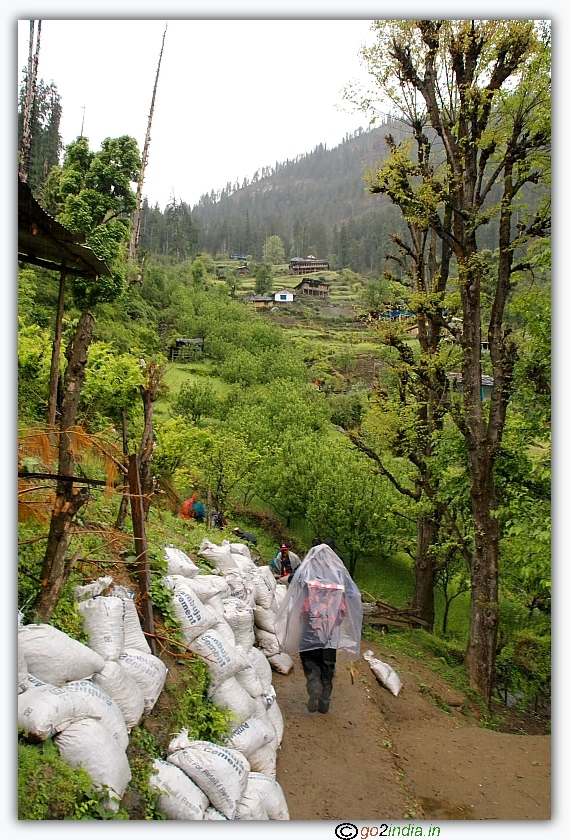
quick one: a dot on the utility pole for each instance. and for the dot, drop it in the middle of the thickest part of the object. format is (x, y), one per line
(135, 234)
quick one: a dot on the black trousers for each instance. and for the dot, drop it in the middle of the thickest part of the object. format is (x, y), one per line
(318, 666)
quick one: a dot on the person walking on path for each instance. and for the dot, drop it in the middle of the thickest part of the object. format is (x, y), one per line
(320, 616)
(284, 564)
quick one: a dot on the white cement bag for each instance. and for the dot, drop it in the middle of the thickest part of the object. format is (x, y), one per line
(264, 619)
(281, 662)
(249, 680)
(240, 618)
(251, 807)
(238, 583)
(81, 593)
(263, 590)
(29, 682)
(271, 794)
(211, 814)
(22, 670)
(223, 628)
(91, 701)
(384, 673)
(134, 636)
(220, 772)
(266, 641)
(269, 577)
(104, 622)
(126, 693)
(230, 695)
(179, 563)
(242, 549)
(280, 592)
(194, 616)
(258, 659)
(56, 658)
(89, 745)
(219, 555)
(276, 720)
(264, 760)
(252, 734)
(179, 742)
(148, 671)
(216, 602)
(244, 564)
(222, 659)
(179, 798)
(45, 710)
(207, 586)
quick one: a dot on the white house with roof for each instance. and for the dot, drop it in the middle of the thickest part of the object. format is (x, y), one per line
(283, 296)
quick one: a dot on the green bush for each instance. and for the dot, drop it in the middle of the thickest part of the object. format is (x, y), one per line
(524, 665)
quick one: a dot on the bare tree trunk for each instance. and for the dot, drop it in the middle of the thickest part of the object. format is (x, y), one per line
(123, 507)
(141, 549)
(424, 568)
(149, 396)
(68, 501)
(56, 348)
(28, 115)
(135, 234)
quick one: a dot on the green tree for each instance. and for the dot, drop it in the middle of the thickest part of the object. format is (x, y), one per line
(263, 278)
(482, 87)
(274, 251)
(195, 400)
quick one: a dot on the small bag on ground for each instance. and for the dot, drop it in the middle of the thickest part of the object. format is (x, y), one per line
(384, 673)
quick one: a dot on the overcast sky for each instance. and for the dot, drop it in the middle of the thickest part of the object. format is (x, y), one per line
(233, 95)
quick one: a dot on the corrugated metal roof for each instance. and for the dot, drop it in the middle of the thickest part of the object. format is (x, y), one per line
(44, 241)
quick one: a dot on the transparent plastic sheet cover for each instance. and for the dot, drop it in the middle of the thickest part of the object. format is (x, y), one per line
(322, 607)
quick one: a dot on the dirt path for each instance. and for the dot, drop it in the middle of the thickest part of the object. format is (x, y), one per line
(375, 756)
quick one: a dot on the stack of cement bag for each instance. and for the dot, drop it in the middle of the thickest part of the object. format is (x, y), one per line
(204, 781)
(216, 613)
(256, 586)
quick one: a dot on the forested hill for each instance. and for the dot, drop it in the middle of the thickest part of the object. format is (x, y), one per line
(317, 203)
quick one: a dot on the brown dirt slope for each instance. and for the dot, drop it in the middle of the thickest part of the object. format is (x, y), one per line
(376, 756)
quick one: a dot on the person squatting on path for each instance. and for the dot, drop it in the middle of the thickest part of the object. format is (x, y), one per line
(284, 564)
(320, 615)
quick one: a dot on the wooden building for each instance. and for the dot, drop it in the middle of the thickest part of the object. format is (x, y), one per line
(185, 349)
(298, 265)
(313, 288)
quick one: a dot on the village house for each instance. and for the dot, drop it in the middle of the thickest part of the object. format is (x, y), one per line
(313, 288)
(298, 265)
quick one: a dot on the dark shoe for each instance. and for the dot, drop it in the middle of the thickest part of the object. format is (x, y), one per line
(313, 703)
(324, 706)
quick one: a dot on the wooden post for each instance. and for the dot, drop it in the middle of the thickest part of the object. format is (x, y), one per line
(141, 550)
(56, 348)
